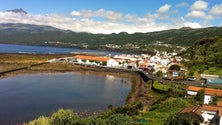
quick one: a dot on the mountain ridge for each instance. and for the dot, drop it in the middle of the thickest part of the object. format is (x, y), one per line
(42, 35)
(20, 10)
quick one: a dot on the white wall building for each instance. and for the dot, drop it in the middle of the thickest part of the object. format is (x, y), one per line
(113, 63)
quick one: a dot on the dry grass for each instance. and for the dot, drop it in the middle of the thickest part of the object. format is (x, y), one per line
(12, 61)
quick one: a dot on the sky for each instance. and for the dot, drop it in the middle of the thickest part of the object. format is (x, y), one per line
(114, 16)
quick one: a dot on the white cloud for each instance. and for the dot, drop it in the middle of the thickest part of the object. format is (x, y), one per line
(84, 24)
(113, 22)
(199, 14)
(192, 24)
(216, 10)
(75, 13)
(199, 10)
(184, 4)
(106, 14)
(196, 14)
(163, 9)
(199, 5)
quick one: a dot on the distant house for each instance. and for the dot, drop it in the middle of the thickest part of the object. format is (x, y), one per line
(192, 90)
(194, 113)
(155, 59)
(208, 94)
(96, 60)
(143, 65)
(130, 64)
(205, 114)
(113, 63)
(212, 114)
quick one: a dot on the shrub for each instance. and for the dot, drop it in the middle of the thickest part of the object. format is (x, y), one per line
(118, 119)
(42, 120)
(64, 117)
(178, 120)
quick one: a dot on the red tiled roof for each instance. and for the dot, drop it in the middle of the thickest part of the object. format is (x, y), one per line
(220, 112)
(213, 92)
(193, 112)
(93, 58)
(194, 88)
(219, 103)
(208, 91)
(211, 108)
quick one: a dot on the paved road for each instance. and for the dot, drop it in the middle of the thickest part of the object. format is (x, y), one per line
(165, 81)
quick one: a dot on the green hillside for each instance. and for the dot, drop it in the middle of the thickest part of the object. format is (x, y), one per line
(205, 56)
(167, 40)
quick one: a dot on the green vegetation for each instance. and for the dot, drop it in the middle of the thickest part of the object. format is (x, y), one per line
(117, 116)
(205, 57)
(160, 111)
(170, 90)
(180, 119)
(169, 102)
(175, 67)
(200, 96)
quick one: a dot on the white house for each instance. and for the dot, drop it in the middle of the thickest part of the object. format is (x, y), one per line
(86, 59)
(211, 114)
(113, 63)
(96, 60)
(165, 61)
(192, 90)
(210, 93)
(155, 59)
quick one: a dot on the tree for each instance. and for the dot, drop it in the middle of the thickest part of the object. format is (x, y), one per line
(42, 120)
(93, 120)
(159, 74)
(200, 96)
(175, 67)
(214, 100)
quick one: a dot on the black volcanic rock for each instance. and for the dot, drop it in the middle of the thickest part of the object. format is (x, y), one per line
(17, 11)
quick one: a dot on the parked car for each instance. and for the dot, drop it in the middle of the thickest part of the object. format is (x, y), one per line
(191, 78)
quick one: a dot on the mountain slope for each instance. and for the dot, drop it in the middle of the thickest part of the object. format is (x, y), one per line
(49, 36)
(17, 11)
(11, 28)
(205, 56)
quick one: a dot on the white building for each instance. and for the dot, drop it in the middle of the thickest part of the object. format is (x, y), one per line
(210, 94)
(211, 114)
(96, 60)
(113, 63)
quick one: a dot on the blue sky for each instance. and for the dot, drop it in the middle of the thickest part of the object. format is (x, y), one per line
(100, 16)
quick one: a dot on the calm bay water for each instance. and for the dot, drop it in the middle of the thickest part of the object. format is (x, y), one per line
(12, 48)
(27, 96)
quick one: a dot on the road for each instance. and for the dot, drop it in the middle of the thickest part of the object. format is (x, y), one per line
(187, 82)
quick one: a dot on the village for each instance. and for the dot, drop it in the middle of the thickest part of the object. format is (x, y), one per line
(159, 63)
(210, 111)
